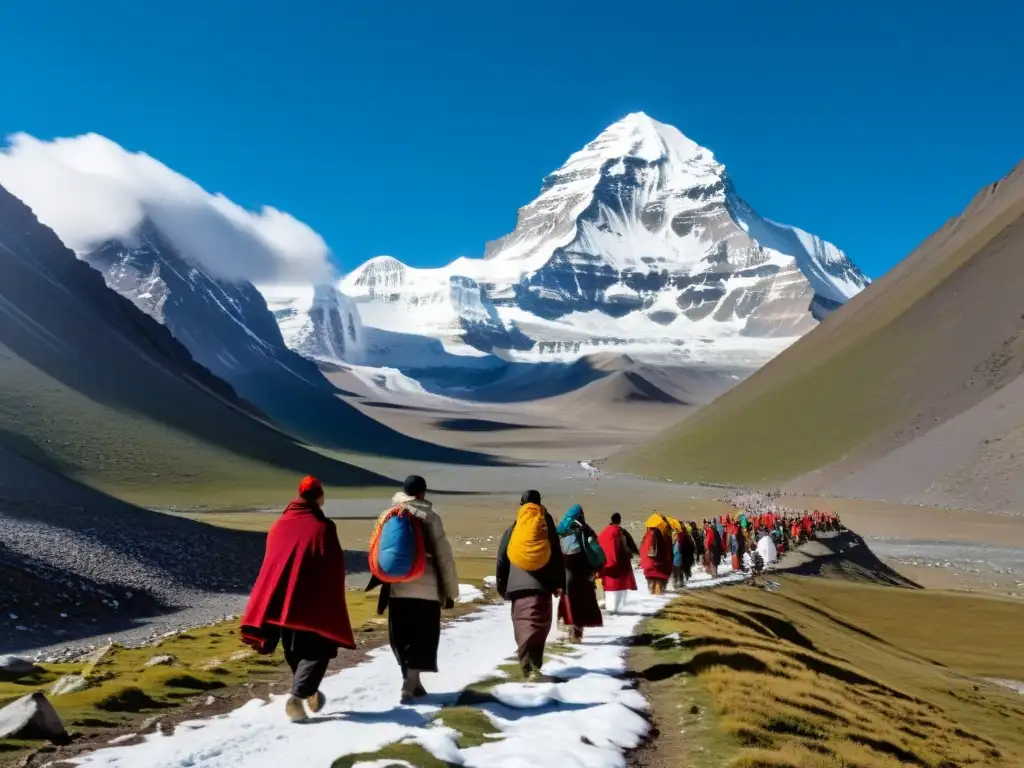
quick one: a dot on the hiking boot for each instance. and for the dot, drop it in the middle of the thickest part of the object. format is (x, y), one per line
(294, 710)
(316, 702)
(411, 687)
(526, 667)
(535, 676)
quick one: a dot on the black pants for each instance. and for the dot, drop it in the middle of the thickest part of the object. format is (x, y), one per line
(414, 630)
(308, 655)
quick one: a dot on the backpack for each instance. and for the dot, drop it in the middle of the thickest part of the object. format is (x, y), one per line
(529, 548)
(592, 549)
(398, 552)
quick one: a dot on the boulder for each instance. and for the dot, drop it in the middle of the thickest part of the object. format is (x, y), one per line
(31, 717)
(15, 667)
(158, 661)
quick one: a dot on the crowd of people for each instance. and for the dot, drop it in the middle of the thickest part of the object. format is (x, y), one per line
(540, 563)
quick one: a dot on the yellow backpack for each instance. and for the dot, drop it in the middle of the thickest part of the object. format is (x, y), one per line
(529, 547)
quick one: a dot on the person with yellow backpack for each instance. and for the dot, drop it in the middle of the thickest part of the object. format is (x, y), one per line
(530, 572)
(656, 553)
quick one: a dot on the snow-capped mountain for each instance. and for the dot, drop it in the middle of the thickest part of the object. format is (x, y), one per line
(639, 243)
(228, 326)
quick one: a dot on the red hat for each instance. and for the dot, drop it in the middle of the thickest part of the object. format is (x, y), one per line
(310, 487)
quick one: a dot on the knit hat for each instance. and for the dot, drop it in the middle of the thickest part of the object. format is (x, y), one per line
(310, 488)
(414, 486)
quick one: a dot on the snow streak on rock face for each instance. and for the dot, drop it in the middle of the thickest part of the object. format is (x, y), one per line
(226, 325)
(319, 321)
(638, 244)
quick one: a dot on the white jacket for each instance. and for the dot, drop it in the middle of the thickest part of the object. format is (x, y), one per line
(441, 565)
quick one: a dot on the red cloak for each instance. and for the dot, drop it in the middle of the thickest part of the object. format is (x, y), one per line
(617, 574)
(660, 565)
(301, 585)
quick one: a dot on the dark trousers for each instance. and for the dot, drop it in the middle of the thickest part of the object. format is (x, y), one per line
(414, 631)
(308, 655)
(531, 623)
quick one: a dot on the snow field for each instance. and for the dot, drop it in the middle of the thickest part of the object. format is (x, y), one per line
(588, 719)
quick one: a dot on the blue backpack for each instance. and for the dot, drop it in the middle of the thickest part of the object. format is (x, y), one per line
(397, 550)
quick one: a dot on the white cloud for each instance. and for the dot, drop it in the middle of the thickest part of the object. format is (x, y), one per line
(89, 189)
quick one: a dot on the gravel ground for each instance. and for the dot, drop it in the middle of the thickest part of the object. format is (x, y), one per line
(70, 573)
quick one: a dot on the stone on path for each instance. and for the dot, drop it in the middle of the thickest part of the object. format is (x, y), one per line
(31, 717)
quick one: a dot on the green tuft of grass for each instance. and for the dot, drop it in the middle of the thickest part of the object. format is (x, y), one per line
(399, 755)
(473, 725)
(822, 674)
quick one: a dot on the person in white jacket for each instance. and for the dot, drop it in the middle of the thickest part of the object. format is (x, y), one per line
(414, 607)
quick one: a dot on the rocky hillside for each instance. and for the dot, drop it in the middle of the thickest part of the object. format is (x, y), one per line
(911, 392)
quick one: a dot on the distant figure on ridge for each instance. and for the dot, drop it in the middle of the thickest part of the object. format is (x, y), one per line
(529, 572)
(583, 557)
(617, 575)
(411, 555)
(299, 597)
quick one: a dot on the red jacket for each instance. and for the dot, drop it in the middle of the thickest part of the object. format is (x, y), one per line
(617, 574)
(658, 566)
(302, 582)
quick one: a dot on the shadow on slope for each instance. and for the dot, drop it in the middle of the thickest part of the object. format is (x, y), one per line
(316, 413)
(70, 549)
(842, 555)
(93, 382)
(774, 678)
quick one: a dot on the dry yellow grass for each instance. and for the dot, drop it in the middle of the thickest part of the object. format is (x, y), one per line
(823, 674)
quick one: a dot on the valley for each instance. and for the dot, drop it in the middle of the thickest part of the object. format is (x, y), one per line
(642, 341)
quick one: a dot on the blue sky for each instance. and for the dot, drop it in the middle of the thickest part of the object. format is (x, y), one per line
(417, 129)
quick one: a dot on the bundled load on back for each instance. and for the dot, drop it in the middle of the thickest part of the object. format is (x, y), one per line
(397, 549)
(529, 546)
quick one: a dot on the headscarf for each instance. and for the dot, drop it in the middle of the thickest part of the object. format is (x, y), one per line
(565, 525)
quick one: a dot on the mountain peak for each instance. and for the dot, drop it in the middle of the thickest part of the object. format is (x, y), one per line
(640, 136)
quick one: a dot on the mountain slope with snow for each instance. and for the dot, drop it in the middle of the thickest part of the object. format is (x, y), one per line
(638, 244)
(229, 326)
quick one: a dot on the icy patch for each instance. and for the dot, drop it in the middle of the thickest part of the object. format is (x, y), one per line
(469, 594)
(1013, 685)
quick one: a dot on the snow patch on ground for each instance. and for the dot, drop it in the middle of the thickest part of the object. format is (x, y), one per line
(469, 594)
(587, 720)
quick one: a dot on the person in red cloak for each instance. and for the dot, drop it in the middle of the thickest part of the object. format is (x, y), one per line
(617, 578)
(299, 597)
(656, 554)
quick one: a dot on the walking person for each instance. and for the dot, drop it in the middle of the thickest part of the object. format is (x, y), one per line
(578, 607)
(697, 534)
(677, 554)
(299, 598)
(414, 606)
(530, 572)
(684, 545)
(617, 578)
(656, 553)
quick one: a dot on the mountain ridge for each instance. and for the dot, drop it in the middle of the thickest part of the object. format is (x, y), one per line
(911, 392)
(638, 244)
